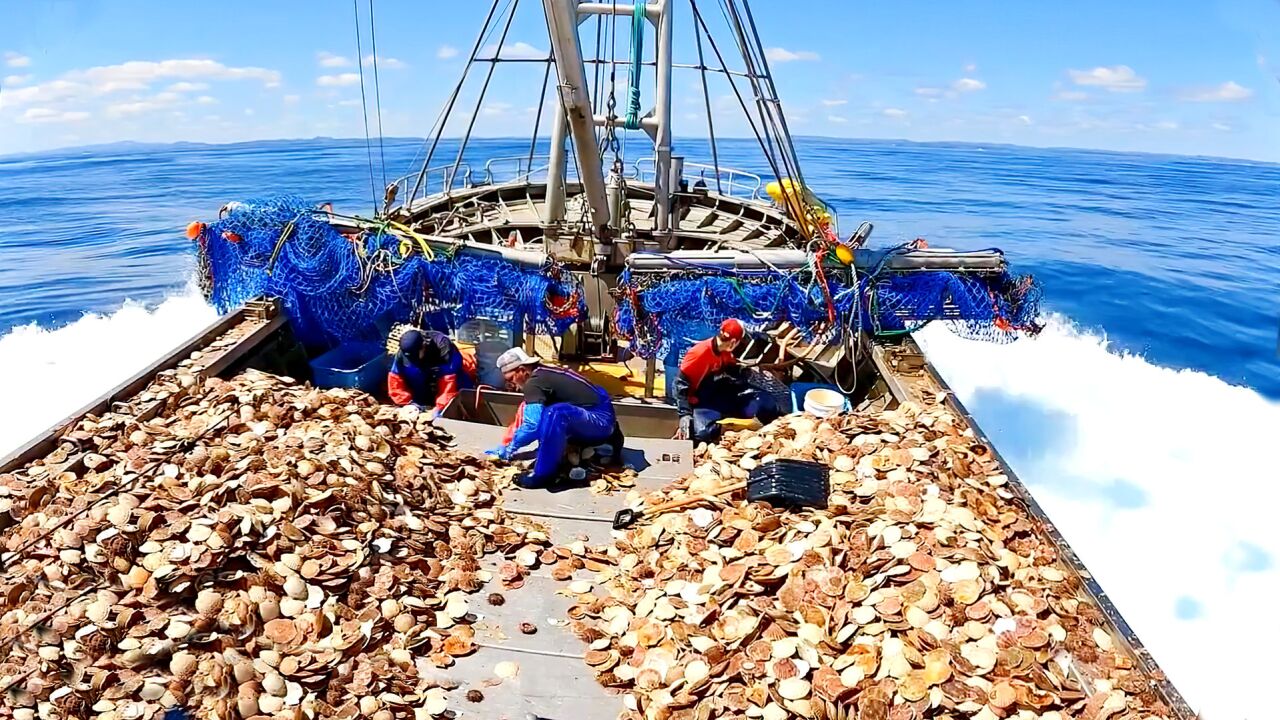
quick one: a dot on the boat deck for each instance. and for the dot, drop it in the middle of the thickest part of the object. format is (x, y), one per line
(554, 681)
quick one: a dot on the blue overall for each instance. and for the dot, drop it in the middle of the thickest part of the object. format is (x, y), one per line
(423, 381)
(725, 397)
(563, 423)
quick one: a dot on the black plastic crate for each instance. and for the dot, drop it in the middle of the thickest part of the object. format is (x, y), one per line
(790, 484)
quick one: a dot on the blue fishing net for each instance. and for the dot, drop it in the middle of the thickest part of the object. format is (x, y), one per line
(337, 288)
(661, 315)
(992, 307)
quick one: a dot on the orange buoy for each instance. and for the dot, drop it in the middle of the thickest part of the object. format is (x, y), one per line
(195, 229)
(232, 237)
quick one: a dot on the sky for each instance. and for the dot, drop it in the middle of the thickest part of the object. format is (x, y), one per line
(1195, 78)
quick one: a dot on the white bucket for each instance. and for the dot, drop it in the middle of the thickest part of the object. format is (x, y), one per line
(822, 403)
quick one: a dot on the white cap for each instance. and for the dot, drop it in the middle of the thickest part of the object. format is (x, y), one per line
(514, 358)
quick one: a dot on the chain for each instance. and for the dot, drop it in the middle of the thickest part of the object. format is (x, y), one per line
(610, 132)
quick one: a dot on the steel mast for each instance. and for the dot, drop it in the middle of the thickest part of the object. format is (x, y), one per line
(563, 18)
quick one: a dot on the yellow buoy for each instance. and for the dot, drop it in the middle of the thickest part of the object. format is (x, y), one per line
(844, 254)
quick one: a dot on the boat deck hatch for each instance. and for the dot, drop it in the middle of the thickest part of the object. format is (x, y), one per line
(498, 408)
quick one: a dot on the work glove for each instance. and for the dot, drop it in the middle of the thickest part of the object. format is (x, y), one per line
(502, 452)
(686, 428)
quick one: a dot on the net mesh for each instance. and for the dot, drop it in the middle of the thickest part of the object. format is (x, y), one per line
(660, 314)
(337, 288)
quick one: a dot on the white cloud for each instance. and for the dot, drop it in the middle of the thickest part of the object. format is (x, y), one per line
(145, 72)
(50, 92)
(15, 80)
(1024, 119)
(206, 100)
(386, 63)
(495, 109)
(896, 113)
(329, 60)
(1229, 91)
(187, 87)
(350, 102)
(1166, 125)
(1120, 78)
(835, 103)
(291, 99)
(1221, 127)
(126, 109)
(338, 80)
(16, 60)
(1071, 95)
(47, 115)
(517, 51)
(837, 119)
(968, 84)
(447, 51)
(249, 112)
(928, 91)
(971, 68)
(782, 55)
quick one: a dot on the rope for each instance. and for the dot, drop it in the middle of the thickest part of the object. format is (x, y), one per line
(377, 93)
(632, 121)
(364, 105)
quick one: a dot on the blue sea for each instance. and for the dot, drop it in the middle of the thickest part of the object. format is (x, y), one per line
(1144, 417)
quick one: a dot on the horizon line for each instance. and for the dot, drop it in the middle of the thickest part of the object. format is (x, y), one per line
(88, 146)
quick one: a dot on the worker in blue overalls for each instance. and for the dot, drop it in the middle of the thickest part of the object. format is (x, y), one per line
(560, 407)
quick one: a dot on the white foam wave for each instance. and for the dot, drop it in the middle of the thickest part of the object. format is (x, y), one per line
(49, 374)
(1164, 481)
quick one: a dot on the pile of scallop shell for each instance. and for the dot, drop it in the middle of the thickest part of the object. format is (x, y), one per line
(923, 590)
(259, 549)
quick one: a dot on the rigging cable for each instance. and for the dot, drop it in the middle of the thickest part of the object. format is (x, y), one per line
(485, 31)
(475, 112)
(364, 106)
(377, 94)
(537, 119)
(706, 98)
(773, 165)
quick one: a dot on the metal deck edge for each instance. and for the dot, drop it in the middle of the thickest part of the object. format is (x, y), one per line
(47, 440)
(1163, 686)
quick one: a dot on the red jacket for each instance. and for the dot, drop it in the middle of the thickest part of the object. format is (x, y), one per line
(702, 360)
(404, 375)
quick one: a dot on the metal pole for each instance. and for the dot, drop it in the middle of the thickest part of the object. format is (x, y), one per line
(555, 173)
(662, 108)
(562, 22)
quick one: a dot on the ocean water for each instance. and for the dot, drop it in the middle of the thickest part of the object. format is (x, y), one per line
(1143, 418)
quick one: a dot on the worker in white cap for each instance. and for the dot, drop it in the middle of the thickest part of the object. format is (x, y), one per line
(560, 407)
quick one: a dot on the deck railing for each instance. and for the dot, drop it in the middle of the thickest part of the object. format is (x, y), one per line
(738, 184)
(496, 171)
(442, 179)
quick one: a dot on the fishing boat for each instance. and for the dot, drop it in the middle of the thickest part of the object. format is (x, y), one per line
(611, 264)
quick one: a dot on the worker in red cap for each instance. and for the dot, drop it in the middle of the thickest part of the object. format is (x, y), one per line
(712, 385)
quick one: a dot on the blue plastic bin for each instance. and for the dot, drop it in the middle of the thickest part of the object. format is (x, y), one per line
(352, 365)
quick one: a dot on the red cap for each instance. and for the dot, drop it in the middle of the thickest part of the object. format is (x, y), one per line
(731, 328)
